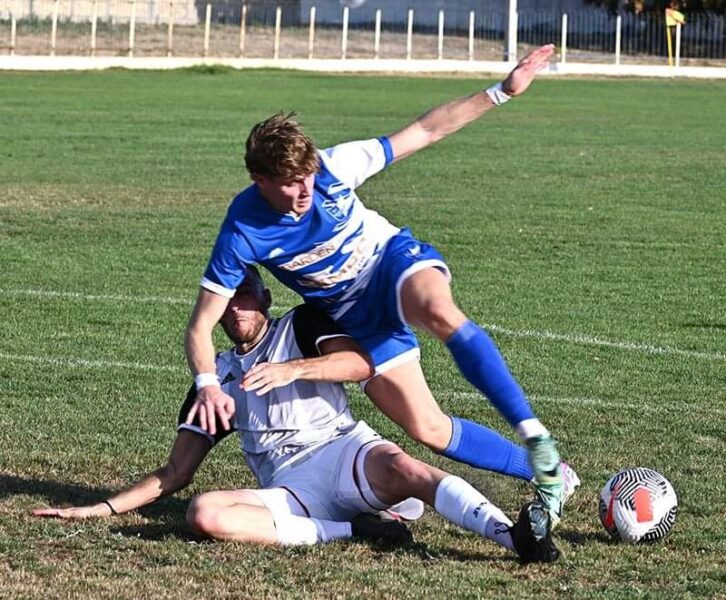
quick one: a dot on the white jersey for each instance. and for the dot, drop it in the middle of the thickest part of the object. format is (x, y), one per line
(290, 421)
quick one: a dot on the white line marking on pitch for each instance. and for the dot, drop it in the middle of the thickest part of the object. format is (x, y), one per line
(542, 335)
(94, 297)
(598, 402)
(593, 341)
(85, 363)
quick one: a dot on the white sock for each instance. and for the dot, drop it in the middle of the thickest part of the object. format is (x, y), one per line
(531, 428)
(460, 503)
(298, 531)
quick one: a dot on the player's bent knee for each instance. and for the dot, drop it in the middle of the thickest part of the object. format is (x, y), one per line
(202, 516)
(406, 476)
(433, 432)
(440, 316)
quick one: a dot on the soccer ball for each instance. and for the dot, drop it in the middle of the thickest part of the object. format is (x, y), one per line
(638, 505)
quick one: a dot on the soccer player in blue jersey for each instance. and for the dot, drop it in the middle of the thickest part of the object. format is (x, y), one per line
(303, 221)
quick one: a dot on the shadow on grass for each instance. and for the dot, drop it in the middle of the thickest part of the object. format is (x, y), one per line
(706, 325)
(69, 494)
(422, 551)
(169, 519)
(579, 538)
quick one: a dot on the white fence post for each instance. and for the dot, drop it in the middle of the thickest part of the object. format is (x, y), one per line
(170, 30)
(13, 34)
(678, 44)
(278, 25)
(409, 35)
(54, 28)
(132, 28)
(311, 33)
(344, 41)
(242, 30)
(471, 35)
(377, 36)
(563, 57)
(207, 27)
(618, 38)
(512, 32)
(441, 35)
(94, 27)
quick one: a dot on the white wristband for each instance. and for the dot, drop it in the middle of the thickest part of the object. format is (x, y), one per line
(205, 379)
(497, 95)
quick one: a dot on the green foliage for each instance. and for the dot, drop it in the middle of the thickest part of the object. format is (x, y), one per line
(687, 6)
(586, 233)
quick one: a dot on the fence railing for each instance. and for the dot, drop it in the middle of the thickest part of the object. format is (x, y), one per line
(324, 29)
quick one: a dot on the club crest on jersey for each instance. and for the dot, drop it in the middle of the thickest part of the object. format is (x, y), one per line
(339, 201)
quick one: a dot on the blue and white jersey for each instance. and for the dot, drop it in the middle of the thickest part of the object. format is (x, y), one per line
(326, 255)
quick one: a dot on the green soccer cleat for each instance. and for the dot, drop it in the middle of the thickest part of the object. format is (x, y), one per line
(548, 483)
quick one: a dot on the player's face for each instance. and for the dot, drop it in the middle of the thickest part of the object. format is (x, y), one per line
(288, 196)
(246, 313)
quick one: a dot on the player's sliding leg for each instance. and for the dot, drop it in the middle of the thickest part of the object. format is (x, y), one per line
(403, 395)
(393, 475)
(241, 515)
(427, 303)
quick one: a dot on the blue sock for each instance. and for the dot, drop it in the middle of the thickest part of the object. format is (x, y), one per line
(483, 366)
(483, 448)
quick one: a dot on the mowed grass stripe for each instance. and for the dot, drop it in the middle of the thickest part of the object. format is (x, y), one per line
(570, 338)
(566, 213)
(82, 363)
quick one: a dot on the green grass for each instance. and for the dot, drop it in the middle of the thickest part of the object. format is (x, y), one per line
(587, 209)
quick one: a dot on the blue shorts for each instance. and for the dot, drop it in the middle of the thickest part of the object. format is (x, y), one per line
(376, 319)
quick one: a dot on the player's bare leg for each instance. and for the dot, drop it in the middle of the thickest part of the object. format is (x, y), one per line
(427, 303)
(393, 476)
(241, 516)
(232, 515)
(403, 395)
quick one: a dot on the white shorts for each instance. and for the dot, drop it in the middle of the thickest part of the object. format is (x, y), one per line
(329, 483)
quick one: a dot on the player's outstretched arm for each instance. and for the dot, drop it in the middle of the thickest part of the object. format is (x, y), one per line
(187, 454)
(342, 360)
(452, 116)
(199, 348)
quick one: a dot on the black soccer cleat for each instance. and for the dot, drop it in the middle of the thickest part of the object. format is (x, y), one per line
(532, 535)
(371, 527)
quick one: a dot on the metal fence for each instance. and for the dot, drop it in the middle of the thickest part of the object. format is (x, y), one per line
(323, 29)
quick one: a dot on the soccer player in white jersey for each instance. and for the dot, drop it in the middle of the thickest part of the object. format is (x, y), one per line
(318, 469)
(303, 221)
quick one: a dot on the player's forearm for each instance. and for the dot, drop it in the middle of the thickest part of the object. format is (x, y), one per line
(335, 367)
(439, 122)
(198, 342)
(199, 349)
(452, 116)
(153, 486)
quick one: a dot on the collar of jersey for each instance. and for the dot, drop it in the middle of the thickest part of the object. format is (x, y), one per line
(270, 214)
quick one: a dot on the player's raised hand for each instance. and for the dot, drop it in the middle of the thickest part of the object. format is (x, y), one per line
(524, 73)
(211, 404)
(73, 512)
(265, 376)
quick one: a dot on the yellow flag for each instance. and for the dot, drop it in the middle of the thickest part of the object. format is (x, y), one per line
(674, 17)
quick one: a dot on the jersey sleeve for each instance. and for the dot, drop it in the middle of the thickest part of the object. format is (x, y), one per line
(312, 326)
(228, 264)
(354, 162)
(195, 426)
(225, 376)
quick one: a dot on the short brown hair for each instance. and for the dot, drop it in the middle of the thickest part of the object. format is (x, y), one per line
(278, 147)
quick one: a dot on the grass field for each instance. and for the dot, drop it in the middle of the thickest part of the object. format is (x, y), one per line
(585, 223)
